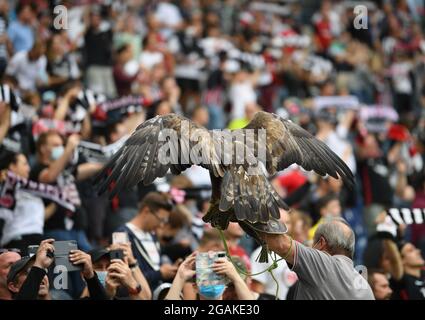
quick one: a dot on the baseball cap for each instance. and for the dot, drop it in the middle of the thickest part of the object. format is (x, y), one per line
(17, 267)
(98, 254)
(292, 181)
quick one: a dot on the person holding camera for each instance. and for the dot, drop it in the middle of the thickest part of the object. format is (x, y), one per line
(27, 278)
(154, 212)
(118, 275)
(223, 267)
(185, 272)
(7, 258)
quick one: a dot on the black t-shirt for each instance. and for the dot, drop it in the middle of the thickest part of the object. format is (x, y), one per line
(375, 179)
(98, 47)
(410, 288)
(62, 219)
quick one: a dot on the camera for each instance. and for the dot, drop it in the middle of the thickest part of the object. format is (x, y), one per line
(116, 254)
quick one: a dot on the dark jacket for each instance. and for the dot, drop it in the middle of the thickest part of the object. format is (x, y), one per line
(97, 49)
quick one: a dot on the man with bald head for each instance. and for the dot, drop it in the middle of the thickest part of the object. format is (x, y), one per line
(325, 271)
(7, 259)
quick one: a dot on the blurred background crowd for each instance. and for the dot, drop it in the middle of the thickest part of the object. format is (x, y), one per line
(74, 86)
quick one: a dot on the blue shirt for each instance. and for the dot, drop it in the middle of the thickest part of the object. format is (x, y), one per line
(21, 36)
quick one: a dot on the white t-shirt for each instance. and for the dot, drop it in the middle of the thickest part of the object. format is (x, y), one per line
(284, 276)
(168, 14)
(27, 72)
(27, 218)
(401, 78)
(340, 145)
(148, 59)
(241, 94)
(148, 243)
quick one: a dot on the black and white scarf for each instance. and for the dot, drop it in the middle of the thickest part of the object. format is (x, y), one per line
(66, 197)
(93, 152)
(401, 216)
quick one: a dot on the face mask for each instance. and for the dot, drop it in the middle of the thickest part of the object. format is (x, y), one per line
(101, 275)
(57, 152)
(212, 291)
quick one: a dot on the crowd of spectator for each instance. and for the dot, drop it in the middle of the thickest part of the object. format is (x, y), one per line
(72, 90)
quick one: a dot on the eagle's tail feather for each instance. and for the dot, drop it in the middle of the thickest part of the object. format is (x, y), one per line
(263, 257)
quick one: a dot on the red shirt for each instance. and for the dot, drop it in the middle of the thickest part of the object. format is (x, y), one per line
(323, 33)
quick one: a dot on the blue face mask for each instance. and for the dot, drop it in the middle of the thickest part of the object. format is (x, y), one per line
(57, 152)
(101, 275)
(212, 291)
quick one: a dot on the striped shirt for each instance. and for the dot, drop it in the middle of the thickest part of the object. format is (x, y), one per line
(3, 32)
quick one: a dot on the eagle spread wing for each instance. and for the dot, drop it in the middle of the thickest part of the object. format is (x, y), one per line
(288, 143)
(157, 145)
(241, 191)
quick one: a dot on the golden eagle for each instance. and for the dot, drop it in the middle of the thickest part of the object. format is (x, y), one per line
(241, 191)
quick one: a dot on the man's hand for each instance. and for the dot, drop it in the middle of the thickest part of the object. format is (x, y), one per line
(72, 93)
(79, 257)
(43, 261)
(281, 244)
(168, 271)
(73, 141)
(128, 252)
(120, 271)
(401, 167)
(223, 266)
(186, 270)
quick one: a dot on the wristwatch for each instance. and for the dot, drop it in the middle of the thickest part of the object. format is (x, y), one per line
(136, 290)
